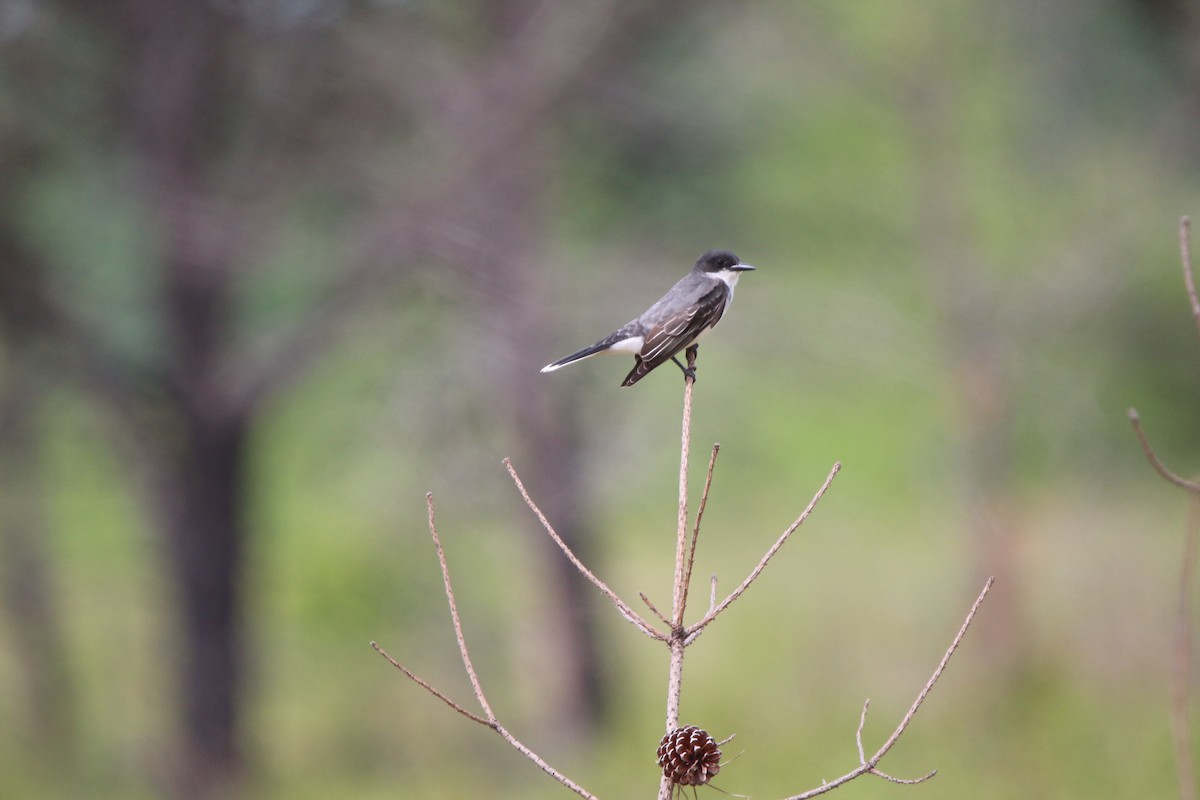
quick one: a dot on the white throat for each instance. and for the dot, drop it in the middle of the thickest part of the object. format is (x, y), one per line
(729, 276)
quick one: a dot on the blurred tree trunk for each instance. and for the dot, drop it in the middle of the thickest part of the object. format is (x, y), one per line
(28, 583)
(202, 507)
(178, 93)
(199, 482)
(27, 580)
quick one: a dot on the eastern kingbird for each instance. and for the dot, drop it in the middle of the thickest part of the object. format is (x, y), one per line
(678, 320)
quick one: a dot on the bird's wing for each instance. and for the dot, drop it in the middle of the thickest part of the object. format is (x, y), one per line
(670, 335)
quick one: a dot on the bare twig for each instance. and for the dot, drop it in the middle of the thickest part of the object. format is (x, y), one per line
(1181, 645)
(654, 609)
(1185, 255)
(870, 765)
(417, 679)
(1153, 458)
(698, 628)
(691, 556)
(491, 721)
(623, 607)
(689, 561)
(458, 631)
(1181, 658)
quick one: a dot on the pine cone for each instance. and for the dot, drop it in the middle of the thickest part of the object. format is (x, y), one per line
(689, 756)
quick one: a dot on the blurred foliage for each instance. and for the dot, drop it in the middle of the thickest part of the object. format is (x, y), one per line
(811, 139)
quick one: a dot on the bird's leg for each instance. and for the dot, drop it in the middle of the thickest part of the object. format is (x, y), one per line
(690, 370)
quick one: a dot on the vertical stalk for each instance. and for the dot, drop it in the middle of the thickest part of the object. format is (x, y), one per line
(679, 592)
(681, 539)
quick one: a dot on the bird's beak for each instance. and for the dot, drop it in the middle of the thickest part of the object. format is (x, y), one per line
(741, 267)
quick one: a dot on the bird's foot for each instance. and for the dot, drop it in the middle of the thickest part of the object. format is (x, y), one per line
(690, 370)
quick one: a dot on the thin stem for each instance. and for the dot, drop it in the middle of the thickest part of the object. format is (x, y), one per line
(937, 673)
(1152, 457)
(691, 556)
(685, 442)
(869, 765)
(1185, 255)
(623, 607)
(698, 628)
(862, 723)
(458, 631)
(491, 721)
(536, 759)
(427, 687)
(1181, 658)
(654, 609)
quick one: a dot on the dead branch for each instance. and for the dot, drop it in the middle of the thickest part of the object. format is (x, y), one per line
(1136, 420)
(870, 765)
(1181, 659)
(691, 556)
(1189, 281)
(695, 630)
(1185, 255)
(491, 721)
(653, 608)
(1181, 645)
(624, 608)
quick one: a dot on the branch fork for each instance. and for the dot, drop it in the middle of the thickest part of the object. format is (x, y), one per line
(669, 629)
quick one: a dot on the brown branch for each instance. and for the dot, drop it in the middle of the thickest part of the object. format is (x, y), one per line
(458, 631)
(491, 721)
(429, 688)
(1181, 645)
(695, 630)
(653, 608)
(1185, 255)
(1181, 660)
(691, 556)
(624, 608)
(679, 586)
(1153, 458)
(870, 765)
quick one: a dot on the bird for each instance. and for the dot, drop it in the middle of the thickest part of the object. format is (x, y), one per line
(685, 313)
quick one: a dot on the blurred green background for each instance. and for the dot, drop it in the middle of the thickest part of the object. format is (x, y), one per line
(270, 270)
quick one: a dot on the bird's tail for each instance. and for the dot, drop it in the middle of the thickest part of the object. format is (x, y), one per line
(578, 355)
